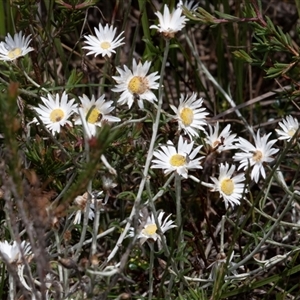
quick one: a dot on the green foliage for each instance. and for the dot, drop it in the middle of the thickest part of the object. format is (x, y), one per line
(243, 60)
(76, 4)
(193, 294)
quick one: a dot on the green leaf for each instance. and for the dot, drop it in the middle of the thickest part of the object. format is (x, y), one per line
(73, 79)
(241, 54)
(279, 69)
(227, 16)
(203, 16)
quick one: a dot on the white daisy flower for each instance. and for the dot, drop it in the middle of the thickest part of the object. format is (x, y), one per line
(190, 114)
(11, 253)
(108, 183)
(55, 113)
(149, 230)
(105, 42)
(220, 142)
(135, 84)
(170, 23)
(14, 47)
(255, 156)
(180, 160)
(230, 187)
(81, 202)
(189, 5)
(96, 111)
(289, 126)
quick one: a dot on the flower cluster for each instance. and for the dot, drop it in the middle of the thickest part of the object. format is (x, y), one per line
(231, 186)
(191, 118)
(55, 112)
(137, 84)
(198, 148)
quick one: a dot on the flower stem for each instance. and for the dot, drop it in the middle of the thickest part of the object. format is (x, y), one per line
(178, 207)
(151, 265)
(95, 229)
(149, 156)
(206, 184)
(34, 83)
(11, 287)
(179, 220)
(266, 235)
(217, 85)
(87, 136)
(222, 234)
(163, 241)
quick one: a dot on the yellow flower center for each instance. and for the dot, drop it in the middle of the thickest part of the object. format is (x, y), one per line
(149, 229)
(14, 53)
(94, 116)
(257, 156)
(187, 116)
(227, 186)
(105, 45)
(177, 160)
(138, 85)
(56, 115)
(291, 132)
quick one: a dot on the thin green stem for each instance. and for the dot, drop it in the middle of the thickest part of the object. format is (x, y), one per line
(34, 83)
(179, 220)
(162, 191)
(271, 230)
(254, 236)
(216, 84)
(149, 156)
(178, 206)
(151, 267)
(162, 240)
(11, 287)
(102, 81)
(95, 228)
(87, 136)
(222, 234)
